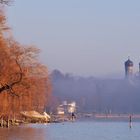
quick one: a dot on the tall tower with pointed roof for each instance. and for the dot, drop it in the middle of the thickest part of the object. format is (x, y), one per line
(139, 68)
(128, 68)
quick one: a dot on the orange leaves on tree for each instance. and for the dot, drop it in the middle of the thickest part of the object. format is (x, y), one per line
(24, 81)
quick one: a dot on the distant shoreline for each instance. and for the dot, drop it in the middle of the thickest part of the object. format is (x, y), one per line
(109, 116)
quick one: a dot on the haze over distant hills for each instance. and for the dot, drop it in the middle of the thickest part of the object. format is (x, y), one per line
(98, 95)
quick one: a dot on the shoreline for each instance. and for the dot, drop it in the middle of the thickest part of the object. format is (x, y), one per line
(67, 118)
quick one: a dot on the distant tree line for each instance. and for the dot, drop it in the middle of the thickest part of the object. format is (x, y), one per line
(6, 2)
(97, 95)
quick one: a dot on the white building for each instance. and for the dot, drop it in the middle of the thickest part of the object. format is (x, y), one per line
(66, 108)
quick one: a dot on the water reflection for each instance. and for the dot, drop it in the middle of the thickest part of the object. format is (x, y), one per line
(23, 133)
(82, 130)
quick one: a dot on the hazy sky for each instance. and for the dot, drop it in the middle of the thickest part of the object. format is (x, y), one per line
(84, 37)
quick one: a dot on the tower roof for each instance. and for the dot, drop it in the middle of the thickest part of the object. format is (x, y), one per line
(128, 63)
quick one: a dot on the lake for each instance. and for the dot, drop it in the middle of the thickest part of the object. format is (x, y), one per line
(80, 130)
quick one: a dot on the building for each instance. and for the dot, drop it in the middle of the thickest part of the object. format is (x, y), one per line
(66, 108)
(139, 68)
(128, 68)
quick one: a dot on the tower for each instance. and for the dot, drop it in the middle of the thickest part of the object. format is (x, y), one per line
(139, 68)
(128, 68)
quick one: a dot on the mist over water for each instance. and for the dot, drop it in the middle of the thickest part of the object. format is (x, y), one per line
(98, 95)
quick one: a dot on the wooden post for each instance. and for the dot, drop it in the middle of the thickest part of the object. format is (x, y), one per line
(130, 121)
(8, 122)
(2, 122)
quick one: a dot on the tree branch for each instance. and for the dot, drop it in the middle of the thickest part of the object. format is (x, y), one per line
(9, 87)
(20, 73)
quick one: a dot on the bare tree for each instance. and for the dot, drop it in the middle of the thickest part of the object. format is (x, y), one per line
(21, 74)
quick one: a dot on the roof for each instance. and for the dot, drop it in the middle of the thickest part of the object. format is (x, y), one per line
(128, 63)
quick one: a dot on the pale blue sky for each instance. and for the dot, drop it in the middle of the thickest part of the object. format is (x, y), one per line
(84, 37)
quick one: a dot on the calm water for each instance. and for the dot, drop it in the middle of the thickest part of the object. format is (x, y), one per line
(85, 130)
